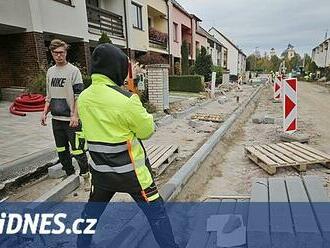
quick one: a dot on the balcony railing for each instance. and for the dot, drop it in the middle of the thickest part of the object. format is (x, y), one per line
(158, 39)
(101, 20)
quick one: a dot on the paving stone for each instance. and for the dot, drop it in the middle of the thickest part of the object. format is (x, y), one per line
(56, 171)
(257, 120)
(269, 120)
(295, 138)
(194, 124)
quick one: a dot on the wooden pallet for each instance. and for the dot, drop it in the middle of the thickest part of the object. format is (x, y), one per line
(273, 156)
(208, 117)
(161, 157)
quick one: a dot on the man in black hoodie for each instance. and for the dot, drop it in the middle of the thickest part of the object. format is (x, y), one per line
(114, 123)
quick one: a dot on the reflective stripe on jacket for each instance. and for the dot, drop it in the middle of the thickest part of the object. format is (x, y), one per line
(114, 121)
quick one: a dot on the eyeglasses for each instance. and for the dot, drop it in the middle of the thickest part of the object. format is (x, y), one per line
(58, 53)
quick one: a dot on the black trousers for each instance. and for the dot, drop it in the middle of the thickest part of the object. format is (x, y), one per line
(154, 211)
(64, 137)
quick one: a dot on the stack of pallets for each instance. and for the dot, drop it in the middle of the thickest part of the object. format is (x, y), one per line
(208, 117)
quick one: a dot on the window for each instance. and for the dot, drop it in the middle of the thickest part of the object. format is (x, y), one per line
(67, 2)
(137, 15)
(175, 32)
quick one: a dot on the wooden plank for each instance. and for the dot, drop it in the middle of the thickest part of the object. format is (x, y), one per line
(161, 164)
(287, 153)
(270, 169)
(149, 148)
(258, 234)
(160, 154)
(281, 226)
(259, 160)
(320, 203)
(315, 151)
(260, 156)
(279, 154)
(270, 155)
(208, 117)
(307, 231)
(199, 236)
(304, 151)
(174, 149)
(297, 153)
(156, 152)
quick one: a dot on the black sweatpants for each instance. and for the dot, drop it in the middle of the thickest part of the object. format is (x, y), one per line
(64, 137)
(154, 211)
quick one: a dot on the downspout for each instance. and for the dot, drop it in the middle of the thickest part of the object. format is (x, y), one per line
(192, 41)
(126, 30)
(168, 30)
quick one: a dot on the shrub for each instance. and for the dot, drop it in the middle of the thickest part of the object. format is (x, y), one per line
(193, 83)
(0, 95)
(185, 58)
(219, 72)
(37, 84)
(203, 65)
(87, 80)
(104, 39)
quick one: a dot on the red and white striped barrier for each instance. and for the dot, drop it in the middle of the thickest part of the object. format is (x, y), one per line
(278, 88)
(290, 108)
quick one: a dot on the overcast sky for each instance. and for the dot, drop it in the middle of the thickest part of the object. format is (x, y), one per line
(266, 23)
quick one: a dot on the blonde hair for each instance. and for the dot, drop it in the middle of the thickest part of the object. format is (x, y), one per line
(56, 43)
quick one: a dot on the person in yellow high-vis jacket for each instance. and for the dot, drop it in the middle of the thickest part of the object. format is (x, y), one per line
(114, 122)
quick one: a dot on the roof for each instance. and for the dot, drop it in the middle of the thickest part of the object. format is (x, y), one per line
(182, 9)
(327, 40)
(203, 32)
(238, 49)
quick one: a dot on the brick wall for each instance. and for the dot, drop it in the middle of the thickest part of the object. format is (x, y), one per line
(158, 86)
(21, 57)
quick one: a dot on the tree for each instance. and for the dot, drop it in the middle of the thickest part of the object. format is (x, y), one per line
(312, 68)
(251, 63)
(307, 62)
(293, 63)
(275, 63)
(185, 58)
(104, 39)
(204, 65)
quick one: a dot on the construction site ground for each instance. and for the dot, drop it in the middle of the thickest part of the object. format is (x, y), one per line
(227, 171)
(188, 134)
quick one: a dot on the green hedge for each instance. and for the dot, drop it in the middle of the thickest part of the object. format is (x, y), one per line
(188, 83)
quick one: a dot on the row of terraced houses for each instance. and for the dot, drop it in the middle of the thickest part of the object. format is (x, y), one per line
(136, 26)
